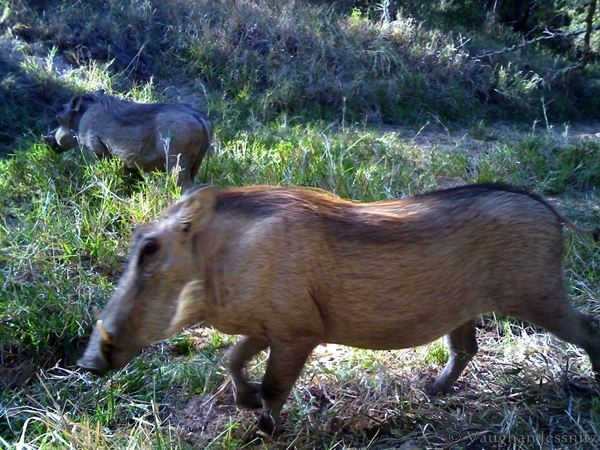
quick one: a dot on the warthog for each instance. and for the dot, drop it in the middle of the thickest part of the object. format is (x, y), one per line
(291, 268)
(146, 136)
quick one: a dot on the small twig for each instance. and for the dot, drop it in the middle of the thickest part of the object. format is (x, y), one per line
(586, 44)
(344, 114)
(552, 35)
(547, 35)
(590, 26)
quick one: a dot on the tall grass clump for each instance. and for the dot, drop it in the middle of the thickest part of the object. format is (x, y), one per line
(254, 61)
(271, 58)
(301, 93)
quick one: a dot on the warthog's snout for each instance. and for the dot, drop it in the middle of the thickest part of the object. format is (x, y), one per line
(104, 353)
(60, 139)
(50, 140)
(94, 359)
(96, 365)
(101, 355)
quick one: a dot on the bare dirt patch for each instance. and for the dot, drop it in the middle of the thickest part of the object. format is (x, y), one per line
(523, 386)
(478, 140)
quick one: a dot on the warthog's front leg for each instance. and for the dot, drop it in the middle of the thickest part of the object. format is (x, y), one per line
(463, 346)
(248, 394)
(285, 363)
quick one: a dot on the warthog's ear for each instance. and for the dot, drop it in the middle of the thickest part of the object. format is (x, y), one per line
(197, 208)
(75, 103)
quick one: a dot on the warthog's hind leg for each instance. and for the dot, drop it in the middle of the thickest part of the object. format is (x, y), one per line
(285, 363)
(248, 395)
(463, 346)
(572, 326)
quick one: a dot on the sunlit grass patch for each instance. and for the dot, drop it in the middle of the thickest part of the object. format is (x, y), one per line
(66, 224)
(46, 428)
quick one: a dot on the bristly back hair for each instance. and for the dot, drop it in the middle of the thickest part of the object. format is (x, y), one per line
(475, 190)
(269, 200)
(263, 200)
(130, 112)
(481, 188)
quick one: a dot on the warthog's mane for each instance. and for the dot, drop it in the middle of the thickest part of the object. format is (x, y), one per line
(129, 112)
(383, 221)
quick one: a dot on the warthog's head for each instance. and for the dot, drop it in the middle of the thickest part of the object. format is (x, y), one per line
(163, 267)
(64, 137)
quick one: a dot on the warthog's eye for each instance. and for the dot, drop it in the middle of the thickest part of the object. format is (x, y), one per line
(149, 247)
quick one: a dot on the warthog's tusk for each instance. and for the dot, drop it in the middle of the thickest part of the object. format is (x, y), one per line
(103, 333)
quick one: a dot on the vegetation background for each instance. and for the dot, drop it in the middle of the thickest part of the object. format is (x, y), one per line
(369, 100)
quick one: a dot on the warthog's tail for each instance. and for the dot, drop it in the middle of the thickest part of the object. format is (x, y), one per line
(595, 232)
(206, 161)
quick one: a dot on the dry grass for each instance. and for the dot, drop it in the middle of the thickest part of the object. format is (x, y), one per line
(524, 385)
(260, 60)
(516, 390)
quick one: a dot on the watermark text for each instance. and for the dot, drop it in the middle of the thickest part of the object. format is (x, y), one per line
(521, 440)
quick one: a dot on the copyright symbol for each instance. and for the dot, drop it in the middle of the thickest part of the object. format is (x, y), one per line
(454, 436)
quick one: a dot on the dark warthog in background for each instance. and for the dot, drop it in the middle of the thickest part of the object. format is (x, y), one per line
(146, 136)
(291, 268)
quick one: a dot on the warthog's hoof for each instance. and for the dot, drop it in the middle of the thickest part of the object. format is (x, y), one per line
(266, 423)
(249, 397)
(434, 391)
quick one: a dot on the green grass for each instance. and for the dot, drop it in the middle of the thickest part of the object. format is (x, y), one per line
(65, 231)
(307, 61)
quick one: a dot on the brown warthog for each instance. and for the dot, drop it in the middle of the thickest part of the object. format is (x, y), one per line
(146, 136)
(291, 268)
